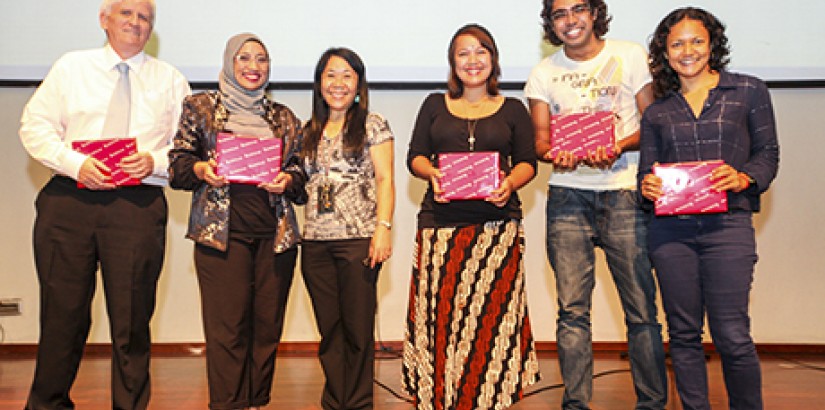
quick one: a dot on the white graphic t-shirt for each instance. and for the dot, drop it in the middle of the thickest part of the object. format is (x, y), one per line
(607, 82)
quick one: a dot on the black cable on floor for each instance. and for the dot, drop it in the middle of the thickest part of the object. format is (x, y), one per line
(385, 351)
(526, 395)
(560, 385)
(393, 392)
(796, 362)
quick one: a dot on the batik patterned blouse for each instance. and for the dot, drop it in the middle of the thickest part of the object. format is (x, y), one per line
(203, 117)
(351, 182)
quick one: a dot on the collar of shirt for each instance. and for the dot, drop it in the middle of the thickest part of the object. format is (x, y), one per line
(111, 59)
(726, 81)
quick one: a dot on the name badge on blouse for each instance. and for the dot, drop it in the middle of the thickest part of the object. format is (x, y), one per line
(326, 198)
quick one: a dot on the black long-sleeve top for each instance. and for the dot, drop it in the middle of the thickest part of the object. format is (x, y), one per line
(509, 131)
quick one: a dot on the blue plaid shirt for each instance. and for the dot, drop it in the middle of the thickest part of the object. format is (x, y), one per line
(736, 125)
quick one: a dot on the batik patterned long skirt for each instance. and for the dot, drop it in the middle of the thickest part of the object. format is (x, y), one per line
(468, 343)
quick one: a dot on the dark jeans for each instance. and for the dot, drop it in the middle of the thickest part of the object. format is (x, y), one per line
(705, 267)
(577, 222)
(343, 293)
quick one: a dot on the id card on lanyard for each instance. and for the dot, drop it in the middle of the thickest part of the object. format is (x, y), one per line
(326, 190)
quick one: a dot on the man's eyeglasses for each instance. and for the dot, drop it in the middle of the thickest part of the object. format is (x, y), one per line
(247, 59)
(576, 11)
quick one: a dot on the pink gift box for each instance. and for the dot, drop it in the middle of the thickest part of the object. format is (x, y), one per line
(248, 160)
(468, 175)
(688, 189)
(109, 151)
(581, 134)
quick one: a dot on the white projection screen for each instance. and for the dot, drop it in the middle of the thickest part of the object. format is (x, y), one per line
(400, 41)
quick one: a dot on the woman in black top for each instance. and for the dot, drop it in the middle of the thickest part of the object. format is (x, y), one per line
(469, 343)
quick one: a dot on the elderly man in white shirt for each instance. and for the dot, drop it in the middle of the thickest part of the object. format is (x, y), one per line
(84, 219)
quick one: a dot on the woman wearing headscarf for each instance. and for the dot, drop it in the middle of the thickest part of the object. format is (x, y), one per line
(245, 235)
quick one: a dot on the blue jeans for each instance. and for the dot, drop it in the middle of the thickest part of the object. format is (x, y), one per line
(705, 266)
(577, 222)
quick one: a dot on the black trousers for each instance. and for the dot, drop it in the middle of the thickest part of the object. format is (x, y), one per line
(243, 298)
(343, 293)
(123, 232)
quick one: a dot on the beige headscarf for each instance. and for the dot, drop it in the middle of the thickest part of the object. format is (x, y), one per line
(245, 106)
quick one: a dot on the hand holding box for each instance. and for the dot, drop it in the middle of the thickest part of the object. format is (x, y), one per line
(687, 189)
(582, 134)
(110, 152)
(246, 159)
(469, 175)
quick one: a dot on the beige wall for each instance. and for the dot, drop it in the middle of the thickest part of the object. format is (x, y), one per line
(786, 300)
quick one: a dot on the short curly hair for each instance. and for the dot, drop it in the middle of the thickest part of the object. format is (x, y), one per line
(665, 79)
(600, 26)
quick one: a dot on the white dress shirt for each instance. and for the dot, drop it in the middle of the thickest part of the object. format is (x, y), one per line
(72, 101)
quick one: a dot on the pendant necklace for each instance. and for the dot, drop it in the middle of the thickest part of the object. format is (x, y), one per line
(471, 126)
(471, 132)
